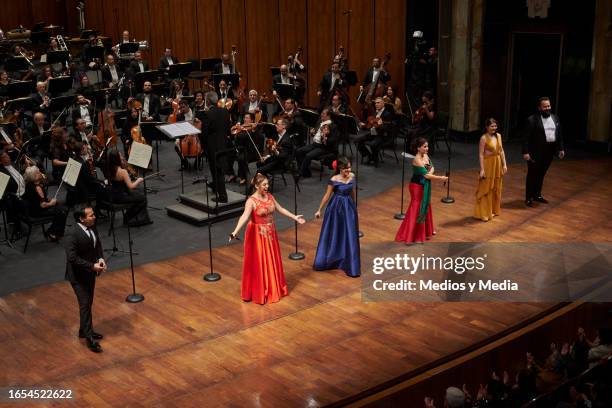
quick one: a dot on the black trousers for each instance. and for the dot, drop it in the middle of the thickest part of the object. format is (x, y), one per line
(369, 145)
(84, 292)
(308, 153)
(536, 170)
(216, 172)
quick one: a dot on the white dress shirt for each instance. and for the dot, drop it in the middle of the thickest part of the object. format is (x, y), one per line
(89, 233)
(549, 128)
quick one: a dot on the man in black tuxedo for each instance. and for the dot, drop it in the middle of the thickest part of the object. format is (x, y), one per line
(225, 66)
(375, 71)
(151, 104)
(283, 77)
(543, 138)
(254, 105)
(331, 82)
(216, 125)
(84, 262)
(324, 144)
(138, 64)
(111, 73)
(167, 60)
(281, 157)
(83, 110)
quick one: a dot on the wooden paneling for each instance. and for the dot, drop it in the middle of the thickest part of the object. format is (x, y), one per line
(15, 13)
(322, 43)
(262, 26)
(265, 32)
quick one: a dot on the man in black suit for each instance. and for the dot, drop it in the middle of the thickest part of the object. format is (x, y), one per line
(281, 157)
(111, 73)
(151, 104)
(369, 142)
(216, 125)
(254, 105)
(543, 138)
(331, 82)
(324, 144)
(225, 66)
(375, 71)
(283, 77)
(85, 261)
(138, 64)
(41, 100)
(167, 60)
(83, 110)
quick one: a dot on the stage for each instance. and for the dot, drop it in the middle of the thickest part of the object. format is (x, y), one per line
(193, 343)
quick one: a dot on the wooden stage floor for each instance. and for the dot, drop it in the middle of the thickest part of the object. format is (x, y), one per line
(195, 344)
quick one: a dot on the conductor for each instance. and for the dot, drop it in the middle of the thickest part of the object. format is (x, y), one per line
(84, 262)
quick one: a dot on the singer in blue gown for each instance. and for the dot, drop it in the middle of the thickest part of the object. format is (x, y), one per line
(338, 246)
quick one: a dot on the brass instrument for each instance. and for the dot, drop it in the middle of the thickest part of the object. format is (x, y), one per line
(30, 54)
(61, 43)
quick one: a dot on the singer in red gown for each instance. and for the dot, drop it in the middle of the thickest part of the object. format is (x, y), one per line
(263, 278)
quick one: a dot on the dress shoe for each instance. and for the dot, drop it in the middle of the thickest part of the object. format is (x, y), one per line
(529, 203)
(94, 335)
(222, 200)
(93, 345)
(542, 200)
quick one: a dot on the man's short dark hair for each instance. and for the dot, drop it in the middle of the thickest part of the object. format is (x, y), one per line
(542, 99)
(80, 211)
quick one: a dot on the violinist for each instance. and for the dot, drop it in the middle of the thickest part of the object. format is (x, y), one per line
(225, 66)
(324, 143)
(337, 105)
(111, 73)
(279, 152)
(390, 98)
(151, 104)
(199, 102)
(249, 143)
(377, 132)
(376, 73)
(423, 120)
(254, 106)
(130, 122)
(80, 133)
(60, 152)
(87, 186)
(84, 111)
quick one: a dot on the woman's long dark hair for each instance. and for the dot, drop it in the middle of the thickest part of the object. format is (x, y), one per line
(114, 162)
(416, 143)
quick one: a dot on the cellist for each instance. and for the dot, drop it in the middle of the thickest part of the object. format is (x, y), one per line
(188, 146)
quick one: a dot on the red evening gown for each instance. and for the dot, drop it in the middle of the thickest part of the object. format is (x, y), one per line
(263, 278)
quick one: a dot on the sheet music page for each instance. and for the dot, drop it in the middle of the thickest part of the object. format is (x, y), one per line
(4, 180)
(71, 173)
(179, 129)
(140, 155)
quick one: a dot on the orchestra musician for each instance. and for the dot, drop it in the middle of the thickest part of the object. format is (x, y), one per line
(337, 105)
(41, 99)
(138, 64)
(45, 74)
(80, 132)
(225, 66)
(423, 120)
(377, 71)
(111, 73)
(392, 99)
(199, 102)
(279, 153)
(5, 80)
(370, 141)
(324, 143)
(185, 114)
(60, 153)
(248, 141)
(85, 88)
(254, 106)
(126, 130)
(224, 92)
(283, 77)
(84, 111)
(331, 83)
(125, 38)
(151, 104)
(167, 60)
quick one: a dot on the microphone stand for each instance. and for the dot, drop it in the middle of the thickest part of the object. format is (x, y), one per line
(132, 297)
(297, 255)
(401, 215)
(359, 233)
(210, 276)
(448, 199)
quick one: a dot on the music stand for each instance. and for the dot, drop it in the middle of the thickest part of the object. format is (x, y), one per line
(269, 130)
(93, 52)
(99, 96)
(347, 126)
(141, 77)
(178, 130)
(14, 64)
(285, 91)
(309, 117)
(40, 37)
(128, 48)
(59, 85)
(60, 104)
(151, 133)
(188, 98)
(56, 57)
(85, 34)
(180, 70)
(228, 78)
(19, 89)
(209, 64)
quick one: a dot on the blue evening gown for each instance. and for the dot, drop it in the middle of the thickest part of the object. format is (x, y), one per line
(339, 241)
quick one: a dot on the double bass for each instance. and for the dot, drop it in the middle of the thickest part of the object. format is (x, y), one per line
(106, 122)
(374, 89)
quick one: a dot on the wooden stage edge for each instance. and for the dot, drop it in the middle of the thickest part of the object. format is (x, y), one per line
(193, 344)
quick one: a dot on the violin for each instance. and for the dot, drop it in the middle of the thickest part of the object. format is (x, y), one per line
(421, 113)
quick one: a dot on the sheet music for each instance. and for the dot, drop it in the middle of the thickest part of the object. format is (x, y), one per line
(5, 136)
(4, 180)
(71, 172)
(43, 58)
(140, 155)
(179, 129)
